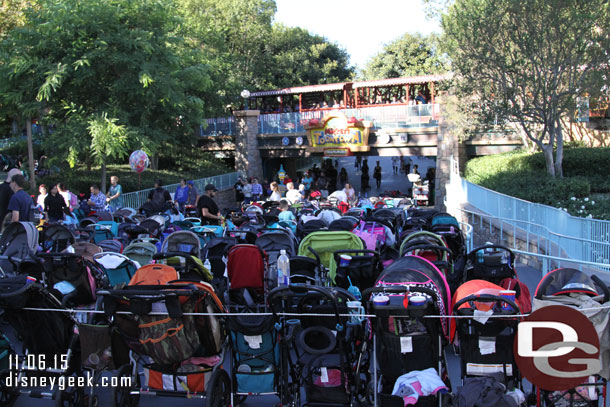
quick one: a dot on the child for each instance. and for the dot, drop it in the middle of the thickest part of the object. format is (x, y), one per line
(286, 215)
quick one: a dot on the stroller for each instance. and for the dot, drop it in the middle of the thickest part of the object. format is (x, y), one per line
(181, 354)
(247, 269)
(182, 241)
(361, 271)
(73, 278)
(410, 347)
(142, 252)
(323, 244)
(486, 345)
(117, 267)
(272, 241)
(188, 265)
(46, 334)
(323, 354)
(18, 246)
(491, 263)
(589, 296)
(56, 237)
(434, 248)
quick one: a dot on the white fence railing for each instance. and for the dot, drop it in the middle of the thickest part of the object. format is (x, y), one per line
(560, 235)
(136, 199)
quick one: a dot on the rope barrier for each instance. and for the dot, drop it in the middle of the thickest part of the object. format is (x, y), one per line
(293, 314)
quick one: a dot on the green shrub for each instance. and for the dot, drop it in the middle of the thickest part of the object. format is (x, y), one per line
(523, 175)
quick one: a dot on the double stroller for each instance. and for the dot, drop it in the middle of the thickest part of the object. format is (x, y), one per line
(411, 363)
(180, 354)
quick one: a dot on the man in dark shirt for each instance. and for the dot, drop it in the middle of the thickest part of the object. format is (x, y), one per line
(6, 193)
(207, 208)
(20, 203)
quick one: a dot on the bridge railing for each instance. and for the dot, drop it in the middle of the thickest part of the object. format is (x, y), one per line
(136, 199)
(381, 116)
(554, 230)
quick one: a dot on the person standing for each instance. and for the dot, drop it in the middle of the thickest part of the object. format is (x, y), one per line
(307, 181)
(364, 178)
(292, 195)
(193, 193)
(181, 196)
(358, 162)
(395, 161)
(159, 199)
(207, 207)
(276, 195)
(43, 195)
(350, 193)
(55, 205)
(377, 174)
(239, 191)
(257, 190)
(6, 192)
(248, 192)
(343, 176)
(115, 199)
(20, 203)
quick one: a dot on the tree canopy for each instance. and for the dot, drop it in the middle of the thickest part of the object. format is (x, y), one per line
(528, 60)
(409, 55)
(78, 61)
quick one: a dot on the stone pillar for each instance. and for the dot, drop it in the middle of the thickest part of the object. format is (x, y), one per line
(447, 147)
(247, 157)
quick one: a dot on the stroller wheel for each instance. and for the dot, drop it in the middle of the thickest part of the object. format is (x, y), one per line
(121, 395)
(8, 395)
(219, 389)
(70, 397)
(239, 399)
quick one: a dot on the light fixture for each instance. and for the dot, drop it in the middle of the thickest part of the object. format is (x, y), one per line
(245, 94)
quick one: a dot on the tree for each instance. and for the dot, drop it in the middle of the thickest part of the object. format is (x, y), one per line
(528, 60)
(409, 55)
(232, 35)
(92, 59)
(301, 58)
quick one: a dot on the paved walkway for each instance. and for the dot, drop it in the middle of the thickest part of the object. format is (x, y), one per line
(389, 181)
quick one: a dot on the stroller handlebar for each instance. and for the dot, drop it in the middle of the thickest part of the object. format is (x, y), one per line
(486, 298)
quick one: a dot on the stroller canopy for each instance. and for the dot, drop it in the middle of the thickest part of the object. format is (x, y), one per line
(325, 243)
(182, 241)
(565, 281)
(476, 287)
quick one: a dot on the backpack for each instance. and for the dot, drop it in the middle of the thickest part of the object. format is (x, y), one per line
(158, 200)
(73, 201)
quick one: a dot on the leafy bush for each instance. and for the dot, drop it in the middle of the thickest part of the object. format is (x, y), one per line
(523, 175)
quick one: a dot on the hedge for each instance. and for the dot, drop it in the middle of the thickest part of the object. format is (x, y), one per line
(523, 175)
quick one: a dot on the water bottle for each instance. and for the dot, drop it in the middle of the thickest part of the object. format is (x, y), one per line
(283, 269)
(480, 256)
(504, 258)
(207, 264)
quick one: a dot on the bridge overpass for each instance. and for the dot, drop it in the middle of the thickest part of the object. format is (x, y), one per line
(260, 143)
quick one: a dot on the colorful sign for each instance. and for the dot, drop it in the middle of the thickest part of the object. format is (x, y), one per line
(338, 131)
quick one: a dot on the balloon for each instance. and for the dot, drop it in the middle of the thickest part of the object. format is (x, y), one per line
(138, 161)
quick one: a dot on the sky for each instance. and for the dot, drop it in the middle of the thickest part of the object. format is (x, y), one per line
(362, 27)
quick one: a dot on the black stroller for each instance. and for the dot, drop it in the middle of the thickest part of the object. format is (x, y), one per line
(52, 338)
(409, 346)
(322, 349)
(18, 246)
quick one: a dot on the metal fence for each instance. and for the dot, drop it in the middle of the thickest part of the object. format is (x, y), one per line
(136, 199)
(380, 116)
(555, 231)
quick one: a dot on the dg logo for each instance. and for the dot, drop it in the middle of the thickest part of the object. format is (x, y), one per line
(557, 348)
